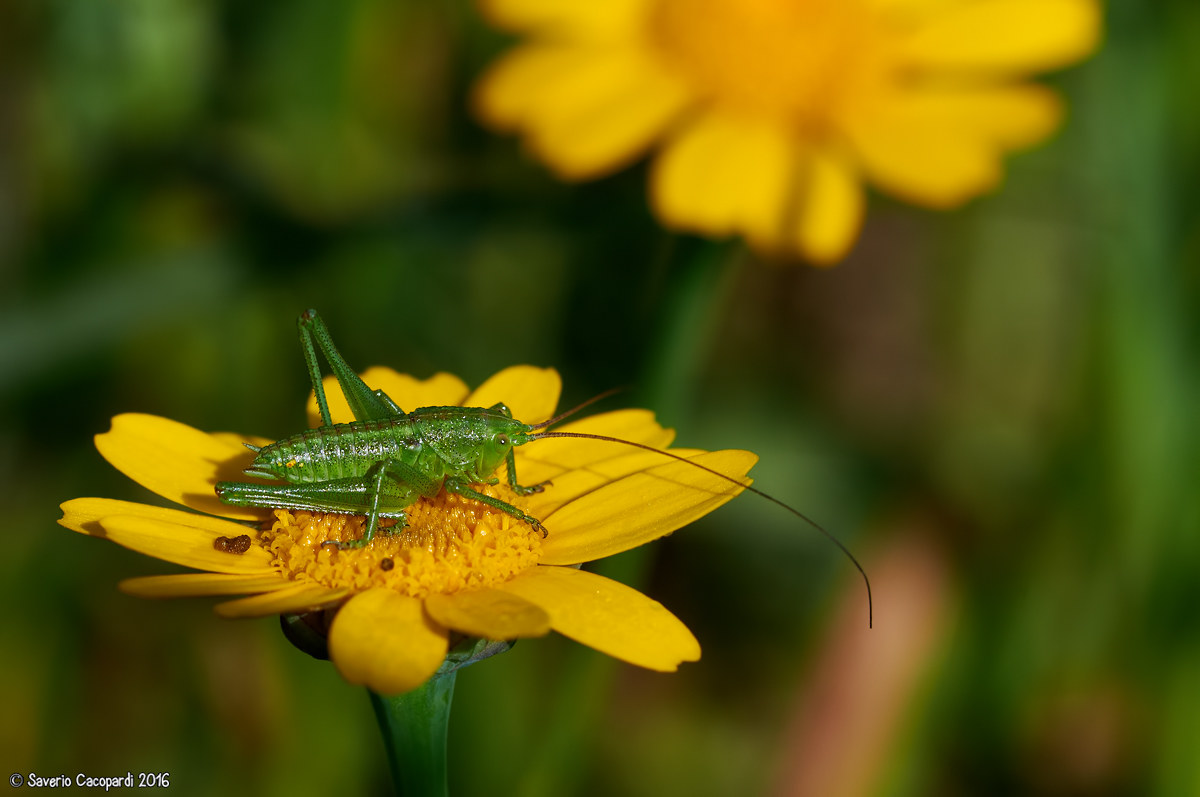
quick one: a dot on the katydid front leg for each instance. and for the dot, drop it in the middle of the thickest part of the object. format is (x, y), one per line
(462, 488)
(511, 463)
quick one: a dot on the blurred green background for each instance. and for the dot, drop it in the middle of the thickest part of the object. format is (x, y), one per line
(994, 408)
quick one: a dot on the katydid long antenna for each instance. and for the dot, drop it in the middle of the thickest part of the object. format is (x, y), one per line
(612, 391)
(828, 535)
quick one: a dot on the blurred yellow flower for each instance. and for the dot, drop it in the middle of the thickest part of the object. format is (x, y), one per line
(769, 115)
(458, 566)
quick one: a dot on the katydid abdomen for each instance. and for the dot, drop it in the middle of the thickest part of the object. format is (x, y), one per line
(437, 442)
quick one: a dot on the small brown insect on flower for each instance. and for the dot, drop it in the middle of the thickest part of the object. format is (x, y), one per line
(236, 545)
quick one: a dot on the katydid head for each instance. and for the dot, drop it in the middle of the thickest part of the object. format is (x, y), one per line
(506, 433)
(502, 433)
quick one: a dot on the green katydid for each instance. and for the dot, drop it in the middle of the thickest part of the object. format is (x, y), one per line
(382, 462)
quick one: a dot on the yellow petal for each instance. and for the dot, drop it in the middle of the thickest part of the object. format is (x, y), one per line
(547, 459)
(723, 174)
(531, 393)
(507, 93)
(573, 484)
(635, 425)
(1006, 37)
(409, 393)
(608, 616)
(586, 111)
(235, 439)
(610, 20)
(294, 599)
(488, 613)
(830, 209)
(642, 507)
(187, 542)
(942, 146)
(1008, 116)
(85, 515)
(383, 640)
(908, 11)
(176, 461)
(195, 585)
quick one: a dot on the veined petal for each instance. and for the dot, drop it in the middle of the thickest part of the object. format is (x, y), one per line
(196, 585)
(941, 146)
(1006, 37)
(723, 174)
(188, 543)
(439, 390)
(612, 19)
(488, 613)
(176, 461)
(642, 507)
(297, 598)
(631, 424)
(830, 207)
(578, 482)
(591, 112)
(608, 616)
(531, 393)
(547, 459)
(85, 514)
(383, 640)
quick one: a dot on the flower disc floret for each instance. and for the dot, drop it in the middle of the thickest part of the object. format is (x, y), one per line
(450, 544)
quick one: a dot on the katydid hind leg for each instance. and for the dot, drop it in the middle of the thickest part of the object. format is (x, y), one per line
(307, 320)
(382, 479)
(376, 477)
(365, 403)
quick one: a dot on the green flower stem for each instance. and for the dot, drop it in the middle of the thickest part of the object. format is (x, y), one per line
(698, 289)
(414, 727)
(698, 284)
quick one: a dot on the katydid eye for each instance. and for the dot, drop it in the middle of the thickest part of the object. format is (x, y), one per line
(502, 439)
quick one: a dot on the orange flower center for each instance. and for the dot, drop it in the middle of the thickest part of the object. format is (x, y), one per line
(451, 543)
(794, 60)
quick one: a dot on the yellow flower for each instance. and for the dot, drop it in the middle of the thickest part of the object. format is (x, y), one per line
(458, 566)
(769, 115)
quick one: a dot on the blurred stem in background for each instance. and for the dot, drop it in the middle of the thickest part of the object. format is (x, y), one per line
(1147, 383)
(698, 276)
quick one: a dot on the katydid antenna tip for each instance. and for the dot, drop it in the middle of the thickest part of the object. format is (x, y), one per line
(749, 488)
